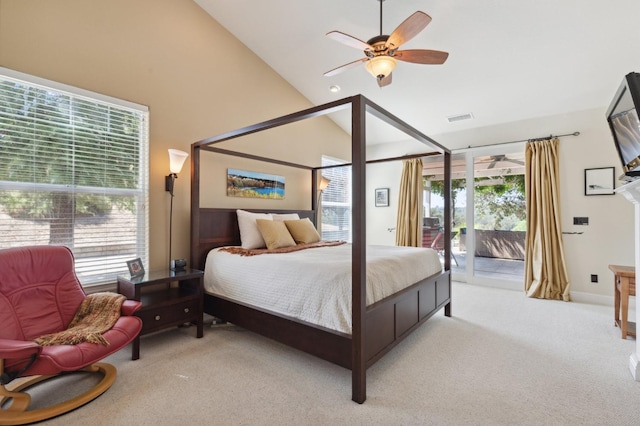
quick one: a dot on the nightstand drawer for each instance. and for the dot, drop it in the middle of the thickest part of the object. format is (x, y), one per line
(158, 317)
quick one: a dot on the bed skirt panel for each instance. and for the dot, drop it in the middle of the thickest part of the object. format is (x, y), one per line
(387, 322)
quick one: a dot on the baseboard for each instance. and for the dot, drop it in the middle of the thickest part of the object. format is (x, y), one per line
(594, 299)
(634, 367)
(576, 296)
(598, 299)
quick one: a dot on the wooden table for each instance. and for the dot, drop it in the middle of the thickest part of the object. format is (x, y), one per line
(624, 285)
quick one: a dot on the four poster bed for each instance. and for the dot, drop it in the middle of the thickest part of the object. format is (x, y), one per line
(378, 321)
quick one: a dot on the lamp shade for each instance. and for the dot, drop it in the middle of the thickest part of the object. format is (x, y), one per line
(324, 182)
(381, 66)
(176, 160)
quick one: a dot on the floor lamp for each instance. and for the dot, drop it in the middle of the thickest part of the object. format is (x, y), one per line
(322, 185)
(176, 161)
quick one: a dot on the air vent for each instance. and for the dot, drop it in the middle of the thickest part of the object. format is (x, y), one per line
(460, 117)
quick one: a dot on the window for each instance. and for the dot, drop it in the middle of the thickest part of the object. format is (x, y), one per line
(73, 172)
(336, 201)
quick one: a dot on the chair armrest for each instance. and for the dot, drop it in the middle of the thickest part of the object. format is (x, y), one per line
(130, 307)
(13, 349)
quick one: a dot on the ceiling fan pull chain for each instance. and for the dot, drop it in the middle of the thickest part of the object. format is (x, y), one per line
(380, 16)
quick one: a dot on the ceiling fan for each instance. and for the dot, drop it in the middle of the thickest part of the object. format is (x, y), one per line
(381, 52)
(494, 159)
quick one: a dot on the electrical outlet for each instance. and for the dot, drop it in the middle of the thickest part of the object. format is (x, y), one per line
(594, 278)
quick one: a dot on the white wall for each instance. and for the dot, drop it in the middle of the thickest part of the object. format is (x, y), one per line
(381, 219)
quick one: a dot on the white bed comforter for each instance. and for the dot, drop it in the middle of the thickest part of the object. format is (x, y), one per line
(314, 285)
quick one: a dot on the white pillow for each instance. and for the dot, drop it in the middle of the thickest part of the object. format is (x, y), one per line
(250, 237)
(285, 216)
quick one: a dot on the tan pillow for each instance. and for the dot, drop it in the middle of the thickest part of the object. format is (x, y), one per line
(275, 233)
(302, 231)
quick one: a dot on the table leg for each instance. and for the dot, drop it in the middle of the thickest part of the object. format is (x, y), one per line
(200, 327)
(135, 348)
(616, 297)
(624, 296)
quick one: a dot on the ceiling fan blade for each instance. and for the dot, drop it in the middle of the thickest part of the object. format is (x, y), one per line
(408, 29)
(344, 67)
(421, 56)
(385, 81)
(349, 40)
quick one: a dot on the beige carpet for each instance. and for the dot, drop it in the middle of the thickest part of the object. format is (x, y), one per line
(502, 359)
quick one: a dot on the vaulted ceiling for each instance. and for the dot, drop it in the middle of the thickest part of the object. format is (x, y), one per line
(508, 60)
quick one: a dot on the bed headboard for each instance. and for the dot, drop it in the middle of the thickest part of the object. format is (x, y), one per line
(219, 227)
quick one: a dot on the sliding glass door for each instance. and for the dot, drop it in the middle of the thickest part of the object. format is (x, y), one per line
(434, 207)
(499, 216)
(488, 211)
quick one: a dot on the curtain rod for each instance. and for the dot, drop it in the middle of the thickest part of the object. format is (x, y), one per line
(382, 160)
(527, 140)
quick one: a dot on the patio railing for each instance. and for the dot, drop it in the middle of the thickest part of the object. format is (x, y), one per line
(497, 244)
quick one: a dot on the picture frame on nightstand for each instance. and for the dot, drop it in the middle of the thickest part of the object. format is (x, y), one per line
(136, 269)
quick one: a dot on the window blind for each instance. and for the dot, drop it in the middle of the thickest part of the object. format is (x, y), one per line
(73, 172)
(336, 201)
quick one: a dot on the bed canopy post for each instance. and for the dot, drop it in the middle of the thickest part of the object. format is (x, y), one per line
(195, 206)
(448, 220)
(447, 213)
(315, 197)
(358, 252)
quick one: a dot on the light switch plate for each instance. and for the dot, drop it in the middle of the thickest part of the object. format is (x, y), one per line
(581, 221)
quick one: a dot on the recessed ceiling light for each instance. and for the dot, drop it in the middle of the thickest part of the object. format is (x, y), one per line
(334, 89)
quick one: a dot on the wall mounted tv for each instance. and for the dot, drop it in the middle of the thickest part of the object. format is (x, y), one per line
(622, 116)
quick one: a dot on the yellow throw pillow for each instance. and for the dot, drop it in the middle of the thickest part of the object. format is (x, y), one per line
(275, 233)
(302, 231)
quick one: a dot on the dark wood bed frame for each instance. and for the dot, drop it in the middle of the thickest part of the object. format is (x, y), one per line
(377, 328)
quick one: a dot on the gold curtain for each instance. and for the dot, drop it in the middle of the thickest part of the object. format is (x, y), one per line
(545, 270)
(409, 223)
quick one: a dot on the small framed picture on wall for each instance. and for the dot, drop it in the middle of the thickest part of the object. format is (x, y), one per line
(382, 197)
(600, 181)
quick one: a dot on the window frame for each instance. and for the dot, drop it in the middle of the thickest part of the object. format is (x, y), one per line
(93, 276)
(331, 167)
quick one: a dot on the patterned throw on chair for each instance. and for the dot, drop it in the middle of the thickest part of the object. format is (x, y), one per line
(97, 313)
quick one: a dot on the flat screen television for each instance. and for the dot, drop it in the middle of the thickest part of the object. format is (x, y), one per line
(622, 116)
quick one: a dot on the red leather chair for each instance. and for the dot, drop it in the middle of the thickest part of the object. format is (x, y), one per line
(40, 294)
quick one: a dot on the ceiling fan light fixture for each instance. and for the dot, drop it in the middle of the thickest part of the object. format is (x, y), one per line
(381, 66)
(381, 52)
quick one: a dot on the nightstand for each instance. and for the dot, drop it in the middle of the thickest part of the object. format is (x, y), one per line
(169, 298)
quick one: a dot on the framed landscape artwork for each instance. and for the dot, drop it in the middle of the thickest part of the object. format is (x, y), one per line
(242, 183)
